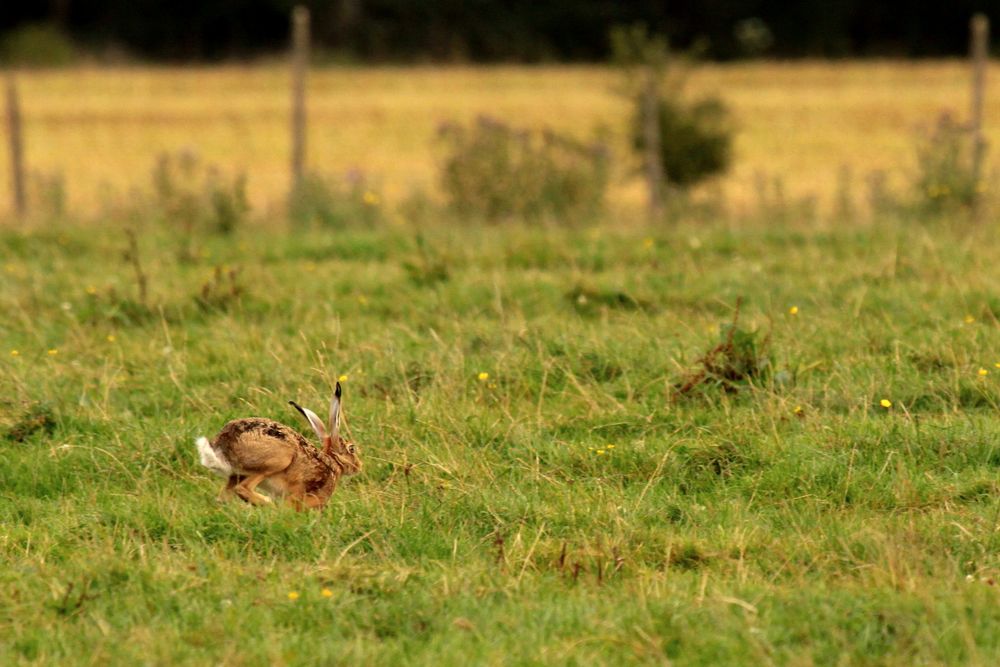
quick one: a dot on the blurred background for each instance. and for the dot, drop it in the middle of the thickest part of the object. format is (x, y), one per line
(815, 107)
(408, 31)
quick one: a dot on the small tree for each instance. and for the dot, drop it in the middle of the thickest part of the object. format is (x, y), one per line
(689, 141)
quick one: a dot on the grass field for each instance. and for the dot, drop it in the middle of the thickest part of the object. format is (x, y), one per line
(570, 508)
(802, 122)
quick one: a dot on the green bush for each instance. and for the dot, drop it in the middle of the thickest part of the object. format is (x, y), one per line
(945, 178)
(320, 202)
(497, 172)
(193, 196)
(695, 139)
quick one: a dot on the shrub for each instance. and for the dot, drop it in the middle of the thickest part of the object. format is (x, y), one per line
(498, 172)
(318, 201)
(945, 177)
(696, 139)
(195, 196)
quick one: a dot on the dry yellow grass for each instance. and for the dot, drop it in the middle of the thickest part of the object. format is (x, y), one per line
(798, 121)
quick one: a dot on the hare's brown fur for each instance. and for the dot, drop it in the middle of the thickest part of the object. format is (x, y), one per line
(263, 451)
(256, 451)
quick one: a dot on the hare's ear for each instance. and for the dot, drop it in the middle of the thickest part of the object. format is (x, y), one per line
(314, 420)
(335, 413)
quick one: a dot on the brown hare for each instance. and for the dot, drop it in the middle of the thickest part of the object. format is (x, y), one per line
(262, 451)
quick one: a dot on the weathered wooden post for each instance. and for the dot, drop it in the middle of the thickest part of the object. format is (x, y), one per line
(651, 139)
(16, 148)
(300, 65)
(979, 53)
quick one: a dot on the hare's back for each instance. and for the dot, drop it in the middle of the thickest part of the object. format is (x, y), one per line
(256, 442)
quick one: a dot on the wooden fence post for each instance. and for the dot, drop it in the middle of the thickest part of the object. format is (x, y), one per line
(651, 139)
(979, 53)
(16, 148)
(300, 65)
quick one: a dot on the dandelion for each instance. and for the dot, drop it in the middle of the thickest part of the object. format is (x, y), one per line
(293, 595)
(610, 447)
(15, 353)
(483, 376)
(996, 365)
(342, 378)
(797, 410)
(794, 310)
(53, 352)
(600, 451)
(327, 593)
(885, 403)
(370, 198)
(111, 338)
(969, 319)
(983, 372)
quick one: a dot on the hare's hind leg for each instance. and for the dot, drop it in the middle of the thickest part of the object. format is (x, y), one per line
(246, 489)
(228, 490)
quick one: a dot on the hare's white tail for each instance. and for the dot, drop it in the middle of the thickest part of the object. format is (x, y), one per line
(211, 459)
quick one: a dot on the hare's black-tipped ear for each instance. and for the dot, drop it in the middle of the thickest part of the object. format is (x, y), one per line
(312, 418)
(335, 413)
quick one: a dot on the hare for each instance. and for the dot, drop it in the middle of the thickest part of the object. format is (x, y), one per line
(262, 451)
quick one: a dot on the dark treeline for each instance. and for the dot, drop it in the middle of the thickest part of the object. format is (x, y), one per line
(515, 30)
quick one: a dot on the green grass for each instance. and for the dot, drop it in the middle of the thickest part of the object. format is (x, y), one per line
(792, 521)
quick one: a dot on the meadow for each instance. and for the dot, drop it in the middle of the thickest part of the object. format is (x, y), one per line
(755, 440)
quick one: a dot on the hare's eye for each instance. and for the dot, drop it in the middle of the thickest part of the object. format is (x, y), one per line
(350, 449)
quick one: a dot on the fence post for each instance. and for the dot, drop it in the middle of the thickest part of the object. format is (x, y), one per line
(300, 64)
(16, 148)
(979, 53)
(651, 139)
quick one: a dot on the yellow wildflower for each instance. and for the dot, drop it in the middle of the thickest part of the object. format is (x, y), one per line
(370, 198)
(53, 352)
(342, 378)
(15, 353)
(885, 403)
(983, 372)
(111, 338)
(483, 376)
(327, 593)
(969, 319)
(293, 595)
(794, 310)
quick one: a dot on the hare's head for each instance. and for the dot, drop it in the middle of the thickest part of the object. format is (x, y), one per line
(343, 451)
